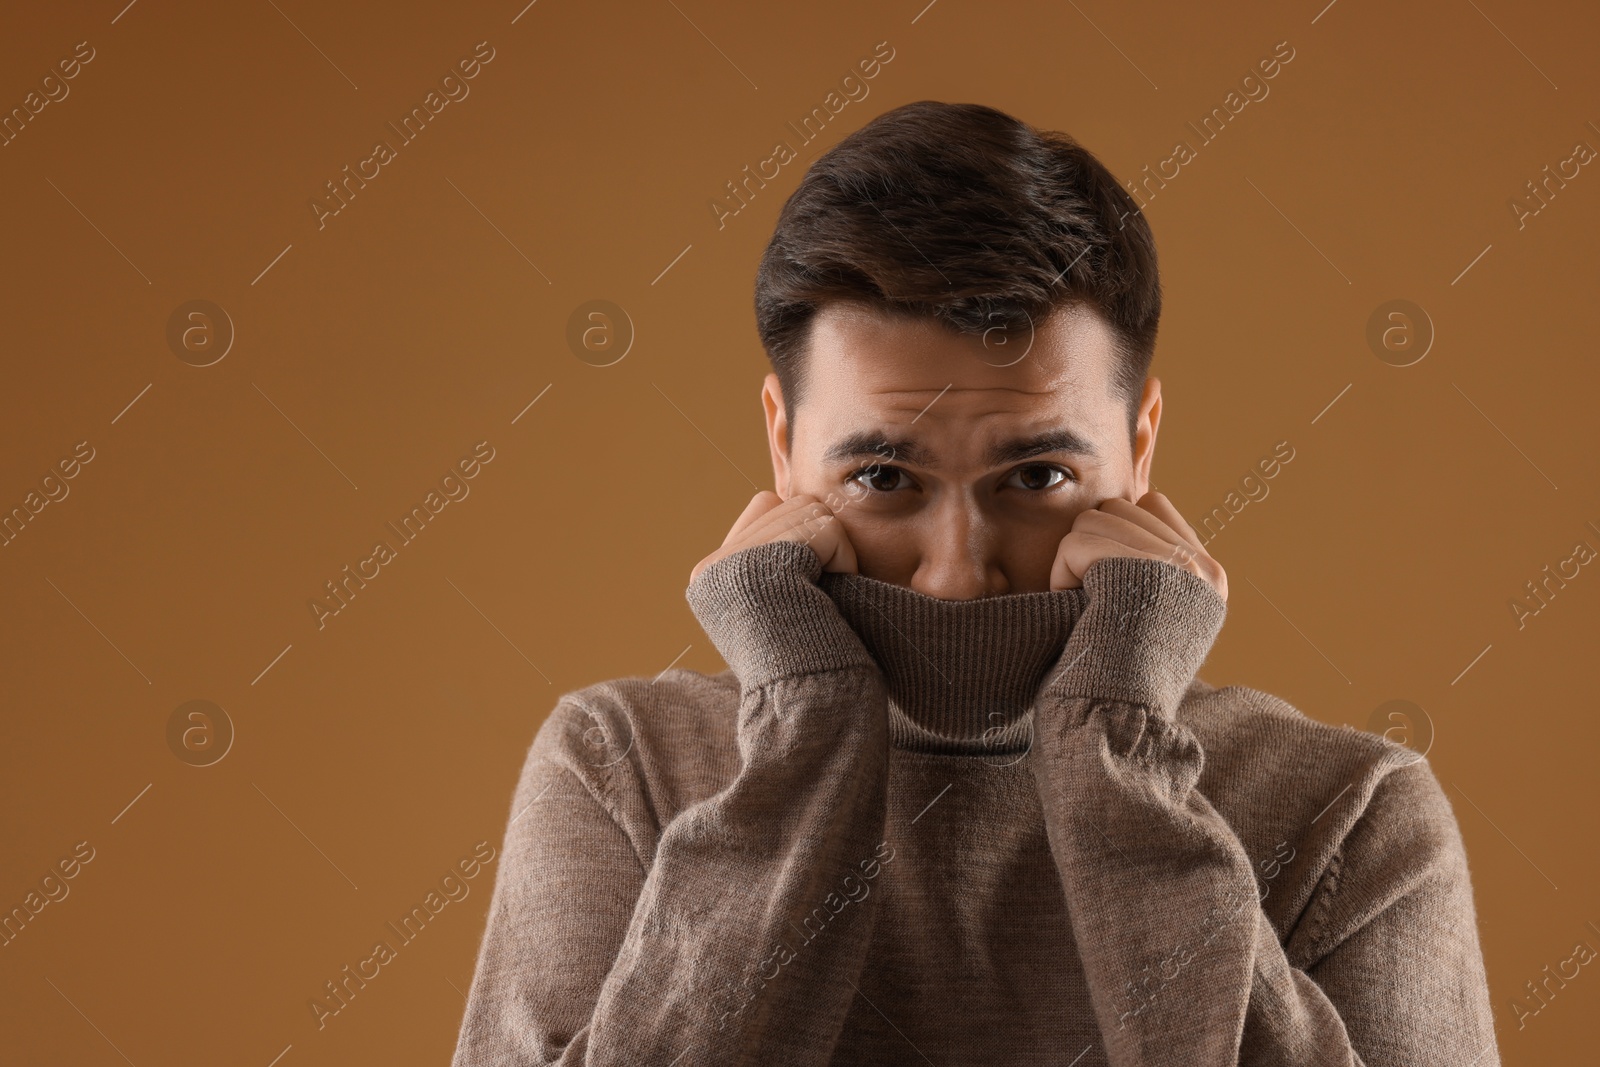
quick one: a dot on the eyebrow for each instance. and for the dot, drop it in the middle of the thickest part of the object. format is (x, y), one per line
(876, 444)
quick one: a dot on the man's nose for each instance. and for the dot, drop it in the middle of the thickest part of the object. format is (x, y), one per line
(959, 557)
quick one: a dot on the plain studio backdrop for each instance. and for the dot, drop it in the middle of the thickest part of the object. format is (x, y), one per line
(280, 275)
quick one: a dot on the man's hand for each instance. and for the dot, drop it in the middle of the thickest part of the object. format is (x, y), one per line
(803, 518)
(1152, 528)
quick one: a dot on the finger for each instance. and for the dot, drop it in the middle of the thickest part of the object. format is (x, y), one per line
(799, 510)
(1062, 576)
(1081, 549)
(833, 547)
(810, 522)
(760, 504)
(1168, 512)
(1142, 515)
(1139, 541)
(1126, 529)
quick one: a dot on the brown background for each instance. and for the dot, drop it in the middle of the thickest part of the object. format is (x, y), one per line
(373, 353)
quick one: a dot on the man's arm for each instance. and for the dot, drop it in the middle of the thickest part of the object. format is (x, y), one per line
(1183, 965)
(589, 958)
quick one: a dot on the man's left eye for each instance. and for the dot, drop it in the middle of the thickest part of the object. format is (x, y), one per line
(1034, 469)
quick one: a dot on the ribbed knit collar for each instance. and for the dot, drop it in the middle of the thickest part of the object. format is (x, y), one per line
(962, 674)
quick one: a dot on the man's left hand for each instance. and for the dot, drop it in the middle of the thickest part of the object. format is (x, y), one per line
(1151, 529)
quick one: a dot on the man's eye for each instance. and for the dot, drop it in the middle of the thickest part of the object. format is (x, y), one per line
(1047, 468)
(1035, 477)
(877, 478)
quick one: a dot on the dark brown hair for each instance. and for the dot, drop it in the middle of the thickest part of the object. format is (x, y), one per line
(963, 214)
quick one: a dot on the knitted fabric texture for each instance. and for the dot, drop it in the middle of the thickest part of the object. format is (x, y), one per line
(1015, 830)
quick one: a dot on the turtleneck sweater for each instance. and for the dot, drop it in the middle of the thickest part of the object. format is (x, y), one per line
(1018, 829)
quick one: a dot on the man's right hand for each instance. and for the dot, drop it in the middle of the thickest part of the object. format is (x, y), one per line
(803, 518)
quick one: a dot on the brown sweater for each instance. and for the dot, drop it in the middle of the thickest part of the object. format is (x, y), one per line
(1015, 830)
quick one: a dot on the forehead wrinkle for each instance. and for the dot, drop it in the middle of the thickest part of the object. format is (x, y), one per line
(886, 391)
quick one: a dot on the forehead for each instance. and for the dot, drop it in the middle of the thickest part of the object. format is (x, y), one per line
(867, 369)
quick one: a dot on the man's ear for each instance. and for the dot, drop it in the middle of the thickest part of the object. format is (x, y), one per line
(1144, 436)
(777, 433)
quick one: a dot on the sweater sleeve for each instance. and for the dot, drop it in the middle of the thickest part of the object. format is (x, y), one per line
(1183, 965)
(710, 952)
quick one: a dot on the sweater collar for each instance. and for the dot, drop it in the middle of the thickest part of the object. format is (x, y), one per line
(961, 674)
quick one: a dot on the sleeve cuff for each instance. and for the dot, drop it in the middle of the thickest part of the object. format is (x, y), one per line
(768, 617)
(1146, 630)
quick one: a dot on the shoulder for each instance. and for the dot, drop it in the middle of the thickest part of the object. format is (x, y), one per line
(645, 747)
(1350, 802)
(601, 724)
(1262, 740)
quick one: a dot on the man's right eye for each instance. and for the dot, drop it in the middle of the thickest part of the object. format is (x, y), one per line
(876, 478)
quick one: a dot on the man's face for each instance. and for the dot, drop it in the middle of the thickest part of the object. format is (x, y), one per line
(903, 429)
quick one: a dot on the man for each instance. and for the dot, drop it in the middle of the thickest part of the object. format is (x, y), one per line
(960, 797)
